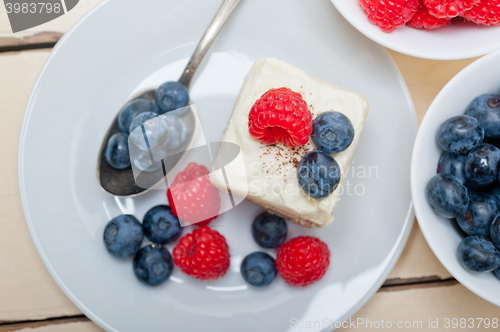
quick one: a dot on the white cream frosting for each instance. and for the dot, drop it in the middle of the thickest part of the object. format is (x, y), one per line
(270, 171)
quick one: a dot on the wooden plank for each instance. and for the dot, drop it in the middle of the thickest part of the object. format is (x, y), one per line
(417, 262)
(54, 322)
(57, 326)
(39, 40)
(18, 74)
(430, 282)
(27, 290)
(425, 78)
(424, 304)
(414, 306)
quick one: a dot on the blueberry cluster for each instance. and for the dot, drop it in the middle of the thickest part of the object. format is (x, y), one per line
(153, 263)
(168, 97)
(319, 173)
(467, 186)
(269, 231)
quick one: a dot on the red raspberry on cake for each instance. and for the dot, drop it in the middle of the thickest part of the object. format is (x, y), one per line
(202, 254)
(389, 15)
(192, 197)
(280, 116)
(485, 12)
(448, 8)
(424, 20)
(302, 260)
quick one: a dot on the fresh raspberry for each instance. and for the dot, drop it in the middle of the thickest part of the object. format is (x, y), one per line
(280, 116)
(302, 260)
(422, 19)
(448, 8)
(389, 14)
(202, 254)
(192, 197)
(485, 12)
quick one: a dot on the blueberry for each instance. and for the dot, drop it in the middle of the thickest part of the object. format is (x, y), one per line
(258, 269)
(117, 154)
(269, 230)
(481, 167)
(495, 232)
(160, 225)
(486, 109)
(133, 109)
(447, 195)
(453, 164)
(140, 119)
(123, 235)
(332, 132)
(153, 265)
(482, 209)
(171, 96)
(460, 134)
(318, 174)
(476, 254)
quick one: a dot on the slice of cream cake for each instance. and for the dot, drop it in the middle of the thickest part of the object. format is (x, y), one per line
(269, 177)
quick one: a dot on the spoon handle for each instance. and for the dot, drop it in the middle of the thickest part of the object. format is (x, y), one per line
(213, 29)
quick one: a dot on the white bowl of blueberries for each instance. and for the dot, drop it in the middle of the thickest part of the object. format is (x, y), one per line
(455, 177)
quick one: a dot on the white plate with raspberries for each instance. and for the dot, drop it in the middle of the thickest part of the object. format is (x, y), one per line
(107, 58)
(431, 29)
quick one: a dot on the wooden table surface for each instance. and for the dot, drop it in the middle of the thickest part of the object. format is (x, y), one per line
(418, 289)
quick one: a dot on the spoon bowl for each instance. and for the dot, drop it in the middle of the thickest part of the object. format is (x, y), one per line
(121, 182)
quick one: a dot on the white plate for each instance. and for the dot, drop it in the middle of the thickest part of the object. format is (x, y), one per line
(482, 76)
(460, 40)
(123, 45)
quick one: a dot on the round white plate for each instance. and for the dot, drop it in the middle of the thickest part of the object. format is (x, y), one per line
(443, 235)
(124, 45)
(460, 40)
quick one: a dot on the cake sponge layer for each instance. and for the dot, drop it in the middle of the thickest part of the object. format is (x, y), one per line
(269, 177)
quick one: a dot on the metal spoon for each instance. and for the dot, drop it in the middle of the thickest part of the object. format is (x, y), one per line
(121, 182)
